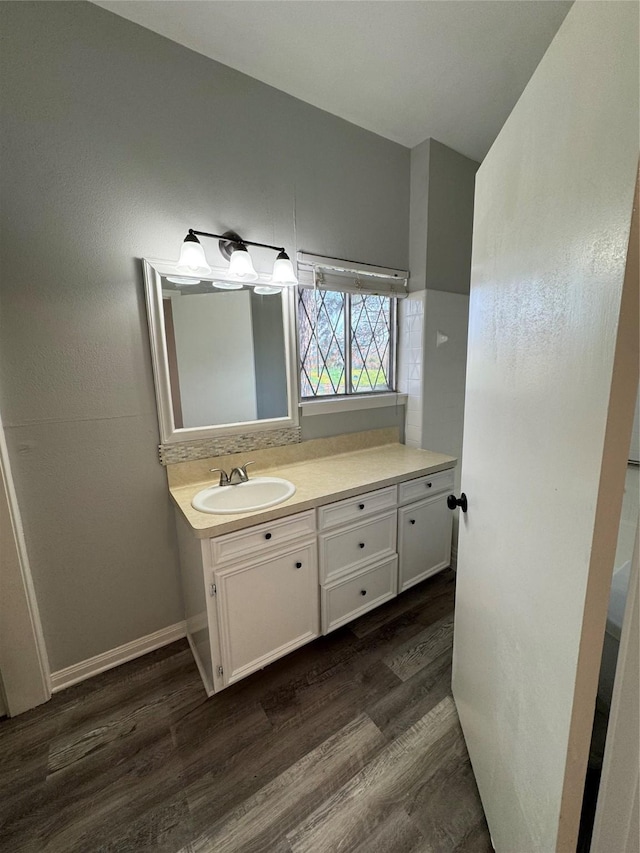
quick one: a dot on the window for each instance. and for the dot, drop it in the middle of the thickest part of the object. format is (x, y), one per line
(346, 342)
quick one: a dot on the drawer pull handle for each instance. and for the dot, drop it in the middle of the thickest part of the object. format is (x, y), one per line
(363, 592)
(428, 485)
(360, 506)
(361, 545)
(267, 536)
(412, 521)
(298, 565)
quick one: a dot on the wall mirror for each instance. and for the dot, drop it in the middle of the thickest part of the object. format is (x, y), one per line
(223, 359)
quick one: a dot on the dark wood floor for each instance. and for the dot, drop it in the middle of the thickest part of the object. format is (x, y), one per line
(349, 745)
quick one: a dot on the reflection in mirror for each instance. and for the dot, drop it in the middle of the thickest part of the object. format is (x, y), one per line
(226, 355)
(223, 354)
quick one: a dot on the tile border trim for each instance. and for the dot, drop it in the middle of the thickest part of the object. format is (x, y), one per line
(225, 445)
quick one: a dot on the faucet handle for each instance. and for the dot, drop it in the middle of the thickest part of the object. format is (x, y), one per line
(224, 479)
(243, 468)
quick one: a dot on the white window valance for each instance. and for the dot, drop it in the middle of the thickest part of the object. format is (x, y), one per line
(350, 276)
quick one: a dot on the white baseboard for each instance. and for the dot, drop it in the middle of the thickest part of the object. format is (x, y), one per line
(107, 660)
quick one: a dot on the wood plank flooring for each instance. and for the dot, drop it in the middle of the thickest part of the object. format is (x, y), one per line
(349, 745)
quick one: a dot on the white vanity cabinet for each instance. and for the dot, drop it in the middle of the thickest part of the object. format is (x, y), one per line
(424, 527)
(256, 594)
(250, 597)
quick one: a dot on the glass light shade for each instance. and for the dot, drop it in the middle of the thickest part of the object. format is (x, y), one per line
(266, 289)
(241, 266)
(227, 285)
(182, 279)
(283, 273)
(192, 258)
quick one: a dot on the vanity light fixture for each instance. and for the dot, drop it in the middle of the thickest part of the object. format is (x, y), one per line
(234, 249)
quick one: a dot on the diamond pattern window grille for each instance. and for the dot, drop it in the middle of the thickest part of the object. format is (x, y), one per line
(370, 343)
(346, 343)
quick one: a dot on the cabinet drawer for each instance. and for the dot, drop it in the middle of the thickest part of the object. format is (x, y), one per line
(345, 550)
(262, 539)
(350, 597)
(424, 487)
(353, 509)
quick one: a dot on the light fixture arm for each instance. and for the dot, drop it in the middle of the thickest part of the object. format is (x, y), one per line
(230, 238)
(233, 248)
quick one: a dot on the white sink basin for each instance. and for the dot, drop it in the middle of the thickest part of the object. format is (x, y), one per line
(257, 493)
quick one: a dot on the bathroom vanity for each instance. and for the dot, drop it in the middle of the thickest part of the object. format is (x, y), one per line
(364, 524)
(368, 518)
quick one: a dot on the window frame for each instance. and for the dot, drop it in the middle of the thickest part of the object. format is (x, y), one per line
(350, 399)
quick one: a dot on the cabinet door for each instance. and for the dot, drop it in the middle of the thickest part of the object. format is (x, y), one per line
(266, 609)
(424, 540)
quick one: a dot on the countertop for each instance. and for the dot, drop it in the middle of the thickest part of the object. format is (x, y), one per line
(318, 480)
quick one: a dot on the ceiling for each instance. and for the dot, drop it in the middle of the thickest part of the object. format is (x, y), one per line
(447, 69)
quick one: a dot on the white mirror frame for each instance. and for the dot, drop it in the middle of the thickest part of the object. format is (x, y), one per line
(153, 270)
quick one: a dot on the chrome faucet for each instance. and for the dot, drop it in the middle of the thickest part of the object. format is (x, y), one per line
(224, 479)
(238, 475)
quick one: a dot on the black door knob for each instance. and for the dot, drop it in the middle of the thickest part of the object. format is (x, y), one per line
(298, 565)
(267, 536)
(453, 502)
(412, 521)
(363, 592)
(361, 545)
(360, 506)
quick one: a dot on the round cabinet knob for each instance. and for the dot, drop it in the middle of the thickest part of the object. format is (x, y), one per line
(428, 485)
(361, 545)
(267, 536)
(360, 506)
(453, 502)
(363, 592)
(412, 521)
(298, 565)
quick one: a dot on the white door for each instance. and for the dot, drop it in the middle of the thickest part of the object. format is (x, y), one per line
(551, 383)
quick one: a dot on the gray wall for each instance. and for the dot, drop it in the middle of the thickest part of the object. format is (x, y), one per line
(115, 142)
(319, 426)
(419, 210)
(449, 219)
(442, 190)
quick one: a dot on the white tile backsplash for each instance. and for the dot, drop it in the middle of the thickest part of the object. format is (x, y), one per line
(413, 435)
(410, 361)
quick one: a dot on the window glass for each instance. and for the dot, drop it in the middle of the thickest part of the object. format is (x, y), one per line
(345, 343)
(370, 343)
